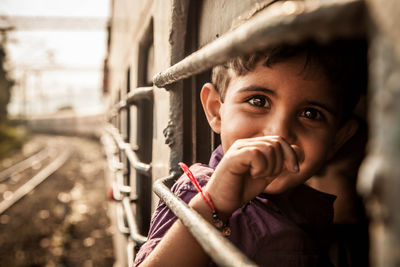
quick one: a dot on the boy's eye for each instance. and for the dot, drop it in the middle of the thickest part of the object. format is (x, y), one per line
(260, 101)
(312, 114)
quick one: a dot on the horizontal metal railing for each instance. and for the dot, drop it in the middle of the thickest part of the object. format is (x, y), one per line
(216, 246)
(133, 97)
(140, 93)
(283, 22)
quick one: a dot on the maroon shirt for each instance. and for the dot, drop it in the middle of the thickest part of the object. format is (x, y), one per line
(274, 230)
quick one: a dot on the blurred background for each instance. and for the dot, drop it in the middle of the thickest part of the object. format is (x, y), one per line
(53, 209)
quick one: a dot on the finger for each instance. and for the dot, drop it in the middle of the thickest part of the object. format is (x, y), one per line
(279, 159)
(268, 151)
(289, 158)
(259, 162)
(260, 156)
(248, 159)
(289, 155)
(272, 150)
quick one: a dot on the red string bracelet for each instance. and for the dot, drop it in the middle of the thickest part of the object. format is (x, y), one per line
(223, 227)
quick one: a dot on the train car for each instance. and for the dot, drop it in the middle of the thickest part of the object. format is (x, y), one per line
(67, 123)
(160, 52)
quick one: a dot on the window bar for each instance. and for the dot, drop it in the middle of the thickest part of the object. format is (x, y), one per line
(283, 22)
(216, 246)
(133, 159)
(133, 229)
(123, 208)
(130, 248)
(140, 93)
(120, 220)
(125, 219)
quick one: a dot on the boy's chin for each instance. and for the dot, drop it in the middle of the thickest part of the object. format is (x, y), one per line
(271, 190)
(281, 184)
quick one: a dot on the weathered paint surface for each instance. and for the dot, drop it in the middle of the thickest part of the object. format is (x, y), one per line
(379, 178)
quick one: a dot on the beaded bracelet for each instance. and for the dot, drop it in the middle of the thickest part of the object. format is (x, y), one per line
(218, 223)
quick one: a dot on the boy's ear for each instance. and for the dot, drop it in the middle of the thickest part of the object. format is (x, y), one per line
(211, 104)
(344, 134)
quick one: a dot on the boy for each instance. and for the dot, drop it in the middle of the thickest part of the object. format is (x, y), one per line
(281, 114)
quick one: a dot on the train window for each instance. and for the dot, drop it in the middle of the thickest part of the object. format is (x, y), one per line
(150, 68)
(146, 57)
(196, 132)
(200, 31)
(205, 24)
(144, 127)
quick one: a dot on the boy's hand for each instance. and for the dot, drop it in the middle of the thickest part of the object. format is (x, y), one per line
(247, 168)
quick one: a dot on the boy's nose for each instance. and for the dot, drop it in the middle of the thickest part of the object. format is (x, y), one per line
(281, 126)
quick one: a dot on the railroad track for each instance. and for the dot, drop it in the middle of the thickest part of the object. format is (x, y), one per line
(22, 177)
(24, 164)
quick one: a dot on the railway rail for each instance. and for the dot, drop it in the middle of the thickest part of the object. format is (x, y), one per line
(22, 177)
(63, 221)
(24, 164)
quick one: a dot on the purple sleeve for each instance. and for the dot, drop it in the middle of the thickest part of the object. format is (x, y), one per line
(163, 217)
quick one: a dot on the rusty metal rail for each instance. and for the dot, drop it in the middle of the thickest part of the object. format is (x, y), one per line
(286, 22)
(220, 249)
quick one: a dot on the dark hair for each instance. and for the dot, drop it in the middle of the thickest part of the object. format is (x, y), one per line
(342, 62)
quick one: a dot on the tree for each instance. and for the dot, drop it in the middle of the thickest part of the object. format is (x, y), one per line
(6, 83)
(11, 136)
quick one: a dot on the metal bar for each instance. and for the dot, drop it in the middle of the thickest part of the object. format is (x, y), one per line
(130, 248)
(140, 93)
(133, 229)
(133, 97)
(116, 186)
(120, 191)
(126, 147)
(216, 246)
(286, 22)
(120, 219)
(378, 179)
(120, 105)
(134, 161)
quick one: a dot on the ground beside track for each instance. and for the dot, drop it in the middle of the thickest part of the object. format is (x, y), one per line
(63, 222)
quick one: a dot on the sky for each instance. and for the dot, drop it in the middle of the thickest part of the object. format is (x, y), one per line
(54, 64)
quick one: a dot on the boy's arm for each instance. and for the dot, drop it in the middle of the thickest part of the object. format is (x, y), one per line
(178, 247)
(243, 173)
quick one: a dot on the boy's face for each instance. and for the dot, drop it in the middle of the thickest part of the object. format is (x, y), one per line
(282, 100)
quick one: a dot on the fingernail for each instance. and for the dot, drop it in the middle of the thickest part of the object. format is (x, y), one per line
(295, 168)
